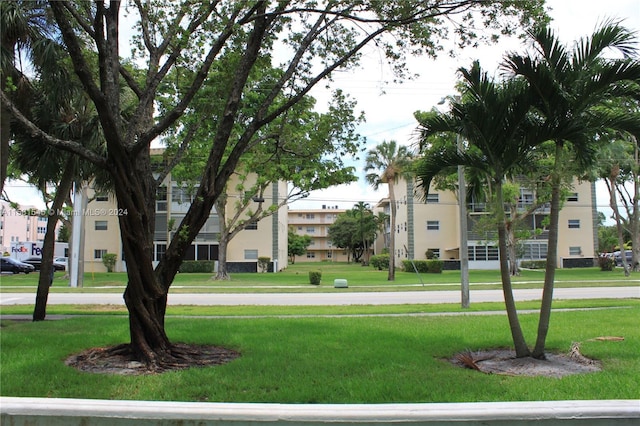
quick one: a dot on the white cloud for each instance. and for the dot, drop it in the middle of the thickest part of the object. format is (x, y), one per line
(390, 115)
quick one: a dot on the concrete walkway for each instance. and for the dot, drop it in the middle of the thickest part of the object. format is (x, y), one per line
(337, 297)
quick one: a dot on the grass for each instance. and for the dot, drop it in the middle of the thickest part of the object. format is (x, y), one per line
(295, 279)
(328, 360)
(283, 311)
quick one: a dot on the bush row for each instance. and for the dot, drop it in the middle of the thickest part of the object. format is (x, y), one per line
(197, 266)
(433, 266)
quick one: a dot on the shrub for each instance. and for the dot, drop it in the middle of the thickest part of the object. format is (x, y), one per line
(194, 266)
(109, 260)
(315, 277)
(380, 261)
(429, 254)
(606, 263)
(434, 266)
(263, 263)
(533, 264)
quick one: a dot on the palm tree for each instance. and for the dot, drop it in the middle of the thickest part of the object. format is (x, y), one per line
(24, 25)
(388, 161)
(494, 118)
(572, 88)
(56, 105)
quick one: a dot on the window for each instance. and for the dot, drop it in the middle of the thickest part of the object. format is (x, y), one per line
(251, 225)
(433, 198)
(311, 255)
(42, 229)
(483, 253)
(251, 254)
(310, 216)
(98, 253)
(101, 225)
(329, 254)
(435, 252)
(160, 251)
(573, 197)
(534, 250)
(311, 230)
(492, 253)
(574, 223)
(433, 225)
(575, 251)
(180, 195)
(161, 199)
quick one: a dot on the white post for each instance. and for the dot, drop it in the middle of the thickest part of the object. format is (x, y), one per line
(464, 252)
(76, 257)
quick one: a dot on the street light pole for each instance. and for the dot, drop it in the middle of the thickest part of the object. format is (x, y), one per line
(464, 251)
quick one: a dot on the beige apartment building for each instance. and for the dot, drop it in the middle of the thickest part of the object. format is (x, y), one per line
(434, 224)
(315, 223)
(266, 238)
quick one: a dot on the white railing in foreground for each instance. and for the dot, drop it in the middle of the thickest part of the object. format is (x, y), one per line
(16, 411)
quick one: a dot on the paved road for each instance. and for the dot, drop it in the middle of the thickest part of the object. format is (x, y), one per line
(337, 298)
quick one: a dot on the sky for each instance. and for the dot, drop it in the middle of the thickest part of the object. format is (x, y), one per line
(390, 116)
(389, 108)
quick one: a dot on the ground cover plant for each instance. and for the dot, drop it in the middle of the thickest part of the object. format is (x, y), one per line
(328, 360)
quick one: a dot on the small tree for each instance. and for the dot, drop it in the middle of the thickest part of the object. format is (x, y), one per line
(109, 260)
(297, 245)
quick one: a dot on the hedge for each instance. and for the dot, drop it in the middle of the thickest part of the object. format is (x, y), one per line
(197, 266)
(433, 266)
(380, 261)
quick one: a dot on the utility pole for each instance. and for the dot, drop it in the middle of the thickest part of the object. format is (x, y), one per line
(464, 251)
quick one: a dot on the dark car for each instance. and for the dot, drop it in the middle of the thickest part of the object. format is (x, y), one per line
(8, 264)
(37, 261)
(618, 257)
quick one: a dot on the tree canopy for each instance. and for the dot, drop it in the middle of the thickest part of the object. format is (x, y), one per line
(177, 47)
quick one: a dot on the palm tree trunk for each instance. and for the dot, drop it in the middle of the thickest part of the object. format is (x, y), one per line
(520, 345)
(392, 234)
(48, 246)
(552, 257)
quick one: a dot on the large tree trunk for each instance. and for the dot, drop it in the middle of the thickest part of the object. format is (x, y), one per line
(552, 257)
(222, 273)
(48, 246)
(223, 241)
(520, 345)
(145, 296)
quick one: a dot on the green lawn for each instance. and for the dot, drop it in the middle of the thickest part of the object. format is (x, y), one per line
(296, 279)
(328, 360)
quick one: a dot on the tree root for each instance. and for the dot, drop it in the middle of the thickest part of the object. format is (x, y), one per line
(121, 359)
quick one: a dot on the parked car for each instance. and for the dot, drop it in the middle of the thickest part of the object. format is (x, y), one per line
(618, 257)
(8, 264)
(37, 261)
(63, 261)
